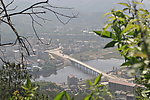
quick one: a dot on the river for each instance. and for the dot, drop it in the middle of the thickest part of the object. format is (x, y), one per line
(101, 64)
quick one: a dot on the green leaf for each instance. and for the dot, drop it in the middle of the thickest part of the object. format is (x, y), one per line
(130, 27)
(67, 96)
(120, 14)
(108, 25)
(134, 20)
(100, 85)
(90, 82)
(131, 33)
(124, 4)
(125, 9)
(25, 88)
(110, 44)
(121, 19)
(34, 89)
(60, 96)
(97, 80)
(148, 16)
(111, 17)
(145, 92)
(107, 13)
(126, 64)
(105, 34)
(116, 29)
(136, 2)
(98, 32)
(144, 10)
(122, 47)
(28, 83)
(89, 97)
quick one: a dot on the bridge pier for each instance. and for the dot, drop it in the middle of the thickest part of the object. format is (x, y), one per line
(80, 65)
(85, 69)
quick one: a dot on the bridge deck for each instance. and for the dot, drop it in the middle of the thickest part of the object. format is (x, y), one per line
(58, 53)
(90, 67)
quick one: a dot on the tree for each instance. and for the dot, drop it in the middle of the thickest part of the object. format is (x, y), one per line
(130, 31)
(12, 76)
(34, 11)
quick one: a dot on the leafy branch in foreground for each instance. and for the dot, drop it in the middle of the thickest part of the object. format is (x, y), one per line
(98, 91)
(130, 32)
(12, 77)
(28, 92)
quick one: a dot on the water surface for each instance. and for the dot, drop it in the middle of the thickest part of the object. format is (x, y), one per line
(101, 64)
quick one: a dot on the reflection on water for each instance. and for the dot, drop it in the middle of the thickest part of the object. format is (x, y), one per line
(103, 65)
(63, 73)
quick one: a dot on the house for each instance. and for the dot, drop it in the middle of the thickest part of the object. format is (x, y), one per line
(121, 86)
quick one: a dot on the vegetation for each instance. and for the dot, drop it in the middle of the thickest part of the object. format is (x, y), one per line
(127, 28)
(12, 77)
(130, 32)
(98, 91)
(28, 92)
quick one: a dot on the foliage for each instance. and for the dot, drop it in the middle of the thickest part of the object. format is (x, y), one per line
(48, 89)
(130, 32)
(15, 84)
(48, 85)
(63, 95)
(12, 76)
(29, 92)
(98, 91)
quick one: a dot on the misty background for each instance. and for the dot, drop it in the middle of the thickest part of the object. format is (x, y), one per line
(90, 17)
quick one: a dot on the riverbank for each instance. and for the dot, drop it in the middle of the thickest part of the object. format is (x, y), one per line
(103, 59)
(97, 54)
(62, 74)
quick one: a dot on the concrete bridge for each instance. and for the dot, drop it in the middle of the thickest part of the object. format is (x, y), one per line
(82, 66)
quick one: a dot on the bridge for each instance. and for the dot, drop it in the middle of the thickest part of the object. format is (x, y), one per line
(82, 66)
